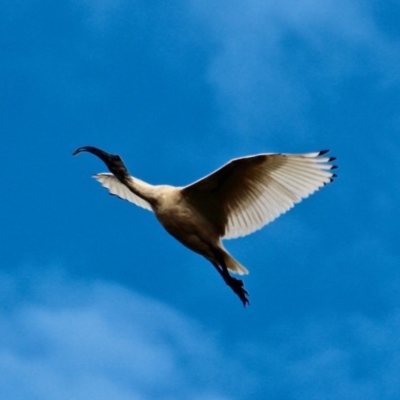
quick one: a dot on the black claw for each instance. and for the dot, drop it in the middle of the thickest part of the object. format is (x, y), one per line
(237, 286)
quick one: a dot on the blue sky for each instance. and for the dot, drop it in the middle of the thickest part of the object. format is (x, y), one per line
(97, 301)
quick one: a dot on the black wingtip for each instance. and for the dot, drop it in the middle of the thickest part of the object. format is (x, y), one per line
(332, 178)
(334, 167)
(322, 152)
(332, 158)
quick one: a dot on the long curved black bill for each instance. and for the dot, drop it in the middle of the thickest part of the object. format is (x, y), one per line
(113, 161)
(90, 149)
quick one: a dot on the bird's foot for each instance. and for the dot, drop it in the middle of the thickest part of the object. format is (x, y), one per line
(237, 286)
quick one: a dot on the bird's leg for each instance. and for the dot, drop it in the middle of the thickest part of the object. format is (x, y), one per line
(235, 284)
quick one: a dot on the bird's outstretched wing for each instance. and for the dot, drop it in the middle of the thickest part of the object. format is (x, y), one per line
(248, 193)
(116, 188)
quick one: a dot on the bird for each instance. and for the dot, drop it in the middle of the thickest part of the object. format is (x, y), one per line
(235, 200)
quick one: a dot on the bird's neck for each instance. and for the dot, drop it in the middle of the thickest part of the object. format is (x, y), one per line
(140, 188)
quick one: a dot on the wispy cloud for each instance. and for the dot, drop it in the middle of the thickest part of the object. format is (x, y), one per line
(63, 339)
(331, 357)
(67, 339)
(273, 58)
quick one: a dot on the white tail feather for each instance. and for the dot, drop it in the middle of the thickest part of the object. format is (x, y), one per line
(233, 265)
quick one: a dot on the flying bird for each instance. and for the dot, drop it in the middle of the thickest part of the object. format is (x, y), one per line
(237, 199)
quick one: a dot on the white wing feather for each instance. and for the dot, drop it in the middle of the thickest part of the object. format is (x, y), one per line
(116, 188)
(248, 193)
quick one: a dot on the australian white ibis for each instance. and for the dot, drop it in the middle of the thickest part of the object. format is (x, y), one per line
(240, 197)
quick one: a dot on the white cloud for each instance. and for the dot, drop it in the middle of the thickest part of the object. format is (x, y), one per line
(272, 57)
(353, 358)
(331, 357)
(66, 339)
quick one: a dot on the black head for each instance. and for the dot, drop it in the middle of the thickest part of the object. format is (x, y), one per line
(113, 161)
